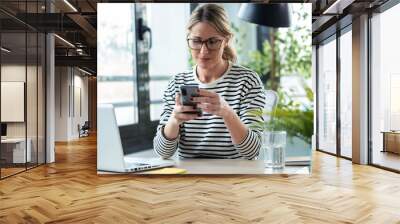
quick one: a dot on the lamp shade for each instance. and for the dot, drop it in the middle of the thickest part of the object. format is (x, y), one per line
(272, 15)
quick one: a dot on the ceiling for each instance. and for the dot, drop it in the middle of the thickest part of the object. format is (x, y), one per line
(330, 15)
(74, 22)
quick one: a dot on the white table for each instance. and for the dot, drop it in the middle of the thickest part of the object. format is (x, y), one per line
(19, 149)
(234, 166)
(222, 166)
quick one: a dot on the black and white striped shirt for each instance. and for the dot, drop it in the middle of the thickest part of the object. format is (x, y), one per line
(207, 136)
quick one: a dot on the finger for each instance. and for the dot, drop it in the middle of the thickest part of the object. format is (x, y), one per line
(188, 108)
(178, 99)
(181, 109)
(203, 92)
(204, 100)
(207, 107)
(186, 117)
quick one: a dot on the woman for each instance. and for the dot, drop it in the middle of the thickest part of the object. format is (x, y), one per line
(228, 92)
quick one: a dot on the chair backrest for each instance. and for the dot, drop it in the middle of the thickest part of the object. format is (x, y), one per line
(271, 101)
(86, 125)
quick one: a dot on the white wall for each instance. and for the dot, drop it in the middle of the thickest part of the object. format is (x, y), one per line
(12, 73)
(71, 87)
(61, 103)
(79, 117)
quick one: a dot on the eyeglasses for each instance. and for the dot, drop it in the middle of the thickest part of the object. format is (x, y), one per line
(211, 43)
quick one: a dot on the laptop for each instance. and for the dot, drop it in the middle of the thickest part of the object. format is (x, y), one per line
(110, 154)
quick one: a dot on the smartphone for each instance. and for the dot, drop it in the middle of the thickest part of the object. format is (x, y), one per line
(187, 92)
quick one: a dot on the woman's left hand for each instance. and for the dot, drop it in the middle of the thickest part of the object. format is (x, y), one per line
(212, 103)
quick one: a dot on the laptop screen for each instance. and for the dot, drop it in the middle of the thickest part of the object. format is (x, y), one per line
(3, 129)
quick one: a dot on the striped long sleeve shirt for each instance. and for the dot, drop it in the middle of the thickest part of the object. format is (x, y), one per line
(208, 136)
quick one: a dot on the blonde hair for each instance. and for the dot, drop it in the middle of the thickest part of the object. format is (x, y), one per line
(215, 15)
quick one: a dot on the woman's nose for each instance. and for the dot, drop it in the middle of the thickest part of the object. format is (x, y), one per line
(203, 49)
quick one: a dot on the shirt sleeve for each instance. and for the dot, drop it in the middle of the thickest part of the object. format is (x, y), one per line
(252, 100)
(163, 146)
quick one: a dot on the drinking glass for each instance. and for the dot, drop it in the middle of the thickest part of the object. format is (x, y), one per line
(274, 143)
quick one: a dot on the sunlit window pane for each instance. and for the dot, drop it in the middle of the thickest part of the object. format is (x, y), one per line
(116, 60)
(327, 97)
(346, 94)
(385, 87)
(166, 60)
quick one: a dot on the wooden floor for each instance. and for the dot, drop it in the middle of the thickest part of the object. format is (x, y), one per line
(10, 171)
(387, 159)
(69, 191)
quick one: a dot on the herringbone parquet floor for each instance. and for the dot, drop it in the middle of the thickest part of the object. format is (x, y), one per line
(69, 191)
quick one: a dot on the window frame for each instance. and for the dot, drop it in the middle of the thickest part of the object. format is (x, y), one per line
(340, 26)
(379, 10)
(335, 36)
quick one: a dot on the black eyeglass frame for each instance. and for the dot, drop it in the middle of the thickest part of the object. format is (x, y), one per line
(206, 42)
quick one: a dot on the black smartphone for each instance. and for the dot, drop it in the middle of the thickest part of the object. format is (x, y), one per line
(187, 92)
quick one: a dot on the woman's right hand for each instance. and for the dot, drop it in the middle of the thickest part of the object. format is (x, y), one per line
(182, 113)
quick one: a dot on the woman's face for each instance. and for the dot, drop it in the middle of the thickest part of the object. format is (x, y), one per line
(206, 56)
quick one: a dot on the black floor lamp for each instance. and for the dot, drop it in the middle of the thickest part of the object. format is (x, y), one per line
(274, 15)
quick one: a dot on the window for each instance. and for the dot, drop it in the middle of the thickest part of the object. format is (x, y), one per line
(22, 69)
(116, 61)
(327, 96)
(346, 94)
(385, 85)
(166, 60)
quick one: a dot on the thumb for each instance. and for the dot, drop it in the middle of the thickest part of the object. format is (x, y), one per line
(178, 99)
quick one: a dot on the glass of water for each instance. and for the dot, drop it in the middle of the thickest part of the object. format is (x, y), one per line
(274, 143)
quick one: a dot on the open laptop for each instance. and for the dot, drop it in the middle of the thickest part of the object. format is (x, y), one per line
(110, 155)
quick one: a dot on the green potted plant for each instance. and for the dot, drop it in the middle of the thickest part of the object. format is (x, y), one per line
(292, 58)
